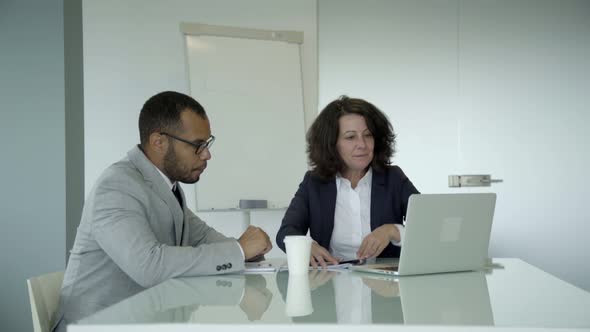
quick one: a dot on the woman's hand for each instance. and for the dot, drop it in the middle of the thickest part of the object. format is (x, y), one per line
(385, 288)
(320, 256)
(374, 243)
(318, 278)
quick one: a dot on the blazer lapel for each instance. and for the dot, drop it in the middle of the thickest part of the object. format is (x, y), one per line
(327, 208)
(156, 182)
(377, 198)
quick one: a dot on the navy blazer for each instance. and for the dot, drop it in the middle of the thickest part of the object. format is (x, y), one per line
(314, 204)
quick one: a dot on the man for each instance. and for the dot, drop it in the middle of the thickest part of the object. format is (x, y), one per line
(136, 230)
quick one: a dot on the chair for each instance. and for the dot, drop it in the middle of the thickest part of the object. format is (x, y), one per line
(44, 296)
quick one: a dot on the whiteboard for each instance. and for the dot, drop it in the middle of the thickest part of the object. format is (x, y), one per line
(252, 92)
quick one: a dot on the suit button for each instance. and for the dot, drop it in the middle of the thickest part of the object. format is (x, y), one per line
(218, 268)
(229, 265)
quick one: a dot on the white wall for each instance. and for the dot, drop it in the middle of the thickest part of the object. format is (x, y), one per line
(496, 87)
(400, 56)
(134, 49)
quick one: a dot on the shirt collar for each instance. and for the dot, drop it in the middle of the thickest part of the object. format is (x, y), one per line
(170, 184)
(364, 181)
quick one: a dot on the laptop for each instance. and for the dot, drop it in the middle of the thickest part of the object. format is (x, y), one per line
(444, 233)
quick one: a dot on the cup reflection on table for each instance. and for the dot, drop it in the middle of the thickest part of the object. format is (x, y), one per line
(298, 296)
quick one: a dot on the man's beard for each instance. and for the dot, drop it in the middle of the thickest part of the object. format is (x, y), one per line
(172, 169)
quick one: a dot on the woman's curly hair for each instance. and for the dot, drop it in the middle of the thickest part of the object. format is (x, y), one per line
(322, 136)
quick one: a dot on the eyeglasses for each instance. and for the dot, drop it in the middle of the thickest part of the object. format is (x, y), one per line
(199, 147)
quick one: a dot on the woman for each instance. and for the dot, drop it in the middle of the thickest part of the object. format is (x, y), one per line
(353, 201)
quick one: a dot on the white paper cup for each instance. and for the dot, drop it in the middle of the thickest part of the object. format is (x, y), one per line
(298, 251)
(298, 296)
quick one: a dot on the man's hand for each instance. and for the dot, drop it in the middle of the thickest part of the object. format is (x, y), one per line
(320, 256)
(374, 243)
(255, 242)
(257, 297)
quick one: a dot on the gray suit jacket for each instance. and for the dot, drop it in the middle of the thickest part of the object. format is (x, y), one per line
(131, 237)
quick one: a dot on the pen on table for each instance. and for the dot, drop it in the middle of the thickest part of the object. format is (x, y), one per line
(352, 261)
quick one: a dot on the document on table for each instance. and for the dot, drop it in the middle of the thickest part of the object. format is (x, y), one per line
(334, 267)
(270, 266)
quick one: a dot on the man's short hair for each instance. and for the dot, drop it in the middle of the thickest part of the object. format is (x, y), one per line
(161, 113)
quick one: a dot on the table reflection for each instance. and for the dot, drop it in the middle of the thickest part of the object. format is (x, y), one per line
(322, 296)
(257, 297)
(344, 297)
(298, 302)
(364, 298)
(521, 296)
(178, 300)
(447, 299)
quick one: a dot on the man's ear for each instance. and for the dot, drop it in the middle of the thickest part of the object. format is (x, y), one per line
(158, 143)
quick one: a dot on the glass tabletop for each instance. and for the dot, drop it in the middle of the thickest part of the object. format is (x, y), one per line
(513, 294)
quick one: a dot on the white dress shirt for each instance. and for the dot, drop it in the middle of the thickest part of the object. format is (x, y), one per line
(166, 179)
(352, 217)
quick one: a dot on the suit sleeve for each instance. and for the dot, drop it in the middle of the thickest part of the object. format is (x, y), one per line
(296, 220)
(120, 227)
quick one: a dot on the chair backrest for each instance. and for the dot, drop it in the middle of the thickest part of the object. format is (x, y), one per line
(44, 296)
